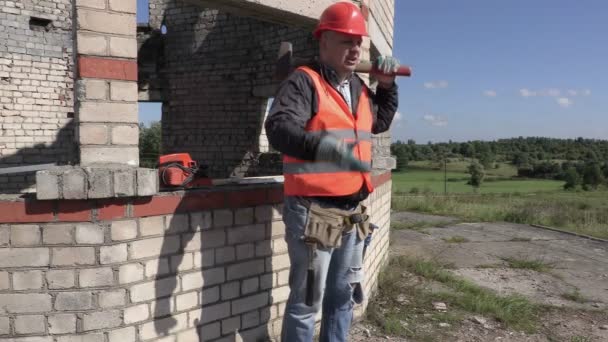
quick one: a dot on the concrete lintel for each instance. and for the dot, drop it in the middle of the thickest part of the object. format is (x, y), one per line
(289, 12)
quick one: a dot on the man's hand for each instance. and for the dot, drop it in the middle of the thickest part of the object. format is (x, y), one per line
(388, 65)
(337, 151)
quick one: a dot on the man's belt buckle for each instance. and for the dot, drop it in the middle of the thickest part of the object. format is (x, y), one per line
(353, 219)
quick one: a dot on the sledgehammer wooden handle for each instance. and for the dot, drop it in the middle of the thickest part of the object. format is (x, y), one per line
(368, 67)
(286, 62)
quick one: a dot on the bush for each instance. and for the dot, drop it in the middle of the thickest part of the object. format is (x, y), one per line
(572, 179)
(477, 174)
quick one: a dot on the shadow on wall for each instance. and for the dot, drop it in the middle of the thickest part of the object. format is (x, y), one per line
(62, 151)
(213, 278)
(213, 67)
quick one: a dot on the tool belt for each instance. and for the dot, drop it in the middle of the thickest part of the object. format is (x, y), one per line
(326, 225)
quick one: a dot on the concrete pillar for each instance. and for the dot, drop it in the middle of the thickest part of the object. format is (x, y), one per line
(381, 24)
(106, 109)
(106, 47)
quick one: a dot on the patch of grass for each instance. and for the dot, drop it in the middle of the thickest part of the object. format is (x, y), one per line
(515, 311)
(456, 239)
(528, 264)
(394, 326)
(574, 296)
(520, 239)
(555, 209)
(419, 225)
(413, 319)
(579, 338)
(452, 318)
(487, 266)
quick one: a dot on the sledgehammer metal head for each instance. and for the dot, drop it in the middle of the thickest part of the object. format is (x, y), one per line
(286, 63)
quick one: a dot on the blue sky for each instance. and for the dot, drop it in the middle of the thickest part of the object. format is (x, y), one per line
(497, 69)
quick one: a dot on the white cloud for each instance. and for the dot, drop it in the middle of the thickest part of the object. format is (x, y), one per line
(489, 93)
(527, 93)
(436, 84)
(398, 116)
(435, 120)
(564, 102)
(552, 92)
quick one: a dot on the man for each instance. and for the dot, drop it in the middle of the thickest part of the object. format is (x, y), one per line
(322, 119)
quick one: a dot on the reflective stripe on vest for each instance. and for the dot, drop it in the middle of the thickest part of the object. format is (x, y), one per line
(349, 134)
(311, 178)
(313, 167)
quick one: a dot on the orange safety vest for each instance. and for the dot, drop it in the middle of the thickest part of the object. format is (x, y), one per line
(322, 178)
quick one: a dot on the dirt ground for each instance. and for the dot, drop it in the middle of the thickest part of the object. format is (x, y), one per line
(573, 287)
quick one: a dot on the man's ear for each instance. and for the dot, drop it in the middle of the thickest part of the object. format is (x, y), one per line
(322, 38)
(325, 37)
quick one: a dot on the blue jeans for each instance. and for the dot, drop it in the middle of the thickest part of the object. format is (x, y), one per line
(336, 271)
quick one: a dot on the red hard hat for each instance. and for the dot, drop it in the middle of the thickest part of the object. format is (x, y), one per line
(344, 17)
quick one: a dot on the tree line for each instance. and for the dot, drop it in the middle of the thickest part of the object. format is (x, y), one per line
(579, 162)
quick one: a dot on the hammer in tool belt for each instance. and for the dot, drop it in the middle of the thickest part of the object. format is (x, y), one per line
(287, 62)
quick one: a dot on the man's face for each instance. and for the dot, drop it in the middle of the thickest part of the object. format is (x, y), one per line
(340, 51)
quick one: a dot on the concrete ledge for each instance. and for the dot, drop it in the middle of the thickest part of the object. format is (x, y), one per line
(593, 238)
(293, 13)
(16, 209)
(95, 182)
(384, 163)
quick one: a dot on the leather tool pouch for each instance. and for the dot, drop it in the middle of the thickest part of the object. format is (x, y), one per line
(326, 225)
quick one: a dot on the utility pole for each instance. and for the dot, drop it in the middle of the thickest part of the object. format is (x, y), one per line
(445, 175)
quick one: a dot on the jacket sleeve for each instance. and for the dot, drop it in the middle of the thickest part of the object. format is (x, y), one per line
(385, 103)
(291, 110)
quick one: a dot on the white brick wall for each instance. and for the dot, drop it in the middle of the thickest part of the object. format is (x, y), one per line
(33, 324)
(60, 279)
(129, 278)
(112, 298)
(227, 133)
(62, 323)
(36, 90)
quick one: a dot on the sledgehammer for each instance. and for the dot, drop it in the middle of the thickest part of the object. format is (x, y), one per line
(286, 63)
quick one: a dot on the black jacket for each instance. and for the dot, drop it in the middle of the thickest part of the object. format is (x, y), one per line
(296, 102)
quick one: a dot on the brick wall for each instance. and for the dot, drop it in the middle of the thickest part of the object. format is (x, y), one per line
(379, 205)
(171, 268)
(216, 66)
(36, 87)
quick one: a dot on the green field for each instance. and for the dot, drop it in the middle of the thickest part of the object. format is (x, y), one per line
(419, 178)
(501, 198)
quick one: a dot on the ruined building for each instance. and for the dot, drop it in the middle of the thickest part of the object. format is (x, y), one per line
(89, 246)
